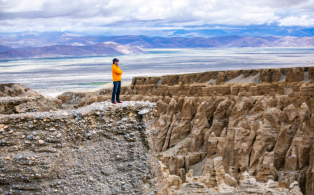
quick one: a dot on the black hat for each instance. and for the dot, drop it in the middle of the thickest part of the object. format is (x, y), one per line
(114, 60)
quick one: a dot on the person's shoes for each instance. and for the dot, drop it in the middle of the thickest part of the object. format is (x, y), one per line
(114, 103)
(120, 102)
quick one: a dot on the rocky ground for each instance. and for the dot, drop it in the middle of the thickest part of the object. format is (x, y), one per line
(16, 98)
(99, 149)
(258, 123)
(227, 132)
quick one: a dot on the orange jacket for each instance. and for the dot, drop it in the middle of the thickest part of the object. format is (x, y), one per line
(116, 73)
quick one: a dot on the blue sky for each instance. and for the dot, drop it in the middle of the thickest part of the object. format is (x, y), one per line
(162, 17)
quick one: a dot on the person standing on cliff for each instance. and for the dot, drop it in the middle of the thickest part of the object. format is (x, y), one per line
(116, 76)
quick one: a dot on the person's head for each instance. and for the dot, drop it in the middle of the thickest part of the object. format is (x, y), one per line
(115, 61)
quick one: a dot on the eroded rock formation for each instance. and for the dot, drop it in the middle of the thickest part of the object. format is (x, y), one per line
(229, 132)
(258, 123)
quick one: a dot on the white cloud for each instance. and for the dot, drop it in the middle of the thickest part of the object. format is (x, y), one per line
(304, 20)
(279, 4)
(15, 6)
(46, 15)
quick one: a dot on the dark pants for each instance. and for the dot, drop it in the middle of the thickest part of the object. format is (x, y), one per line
(116, 91)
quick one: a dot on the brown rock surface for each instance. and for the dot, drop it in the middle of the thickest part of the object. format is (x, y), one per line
(260, 129)
(16, 98)
(295, 75)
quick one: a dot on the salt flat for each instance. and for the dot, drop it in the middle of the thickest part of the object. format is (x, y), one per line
(56, 75)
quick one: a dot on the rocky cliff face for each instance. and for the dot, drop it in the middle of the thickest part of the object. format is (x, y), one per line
(239, 132)
(230, 132)
(100, 149)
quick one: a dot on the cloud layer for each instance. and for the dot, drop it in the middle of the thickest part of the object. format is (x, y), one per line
(104, 15)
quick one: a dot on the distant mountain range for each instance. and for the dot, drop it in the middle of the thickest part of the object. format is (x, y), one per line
(65, 44)
(257, 31)
(222, 41)
(4, 48)
(106, 48)
(58, 38)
